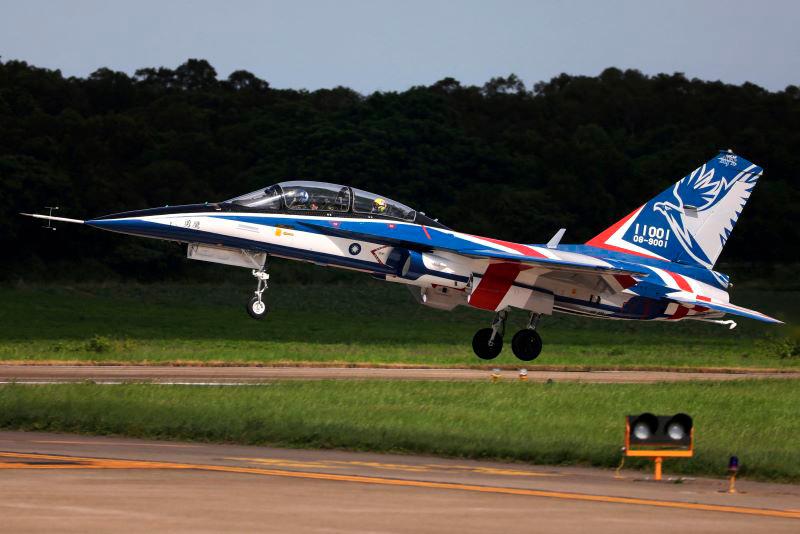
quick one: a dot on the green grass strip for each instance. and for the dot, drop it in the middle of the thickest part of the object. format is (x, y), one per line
(559, 423)
(365, 323)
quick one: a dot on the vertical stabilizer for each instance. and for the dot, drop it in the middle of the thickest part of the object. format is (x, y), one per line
(691, 220)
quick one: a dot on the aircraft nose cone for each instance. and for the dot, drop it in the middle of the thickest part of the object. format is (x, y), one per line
(128, 225)
(153, 222)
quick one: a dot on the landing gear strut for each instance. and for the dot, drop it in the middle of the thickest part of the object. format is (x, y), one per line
(527, 344)
(488, 342)
(256, 307)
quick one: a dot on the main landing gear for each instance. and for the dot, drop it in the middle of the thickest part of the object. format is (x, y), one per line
(256, 307)
(526, 344)
(488, 342)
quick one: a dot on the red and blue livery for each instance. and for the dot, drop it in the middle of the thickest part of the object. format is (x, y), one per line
(657, 263)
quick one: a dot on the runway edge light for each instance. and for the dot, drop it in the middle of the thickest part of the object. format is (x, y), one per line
(733, 469)
(658, 437)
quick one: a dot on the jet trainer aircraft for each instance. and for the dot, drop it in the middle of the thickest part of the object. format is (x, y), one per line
(654, 264)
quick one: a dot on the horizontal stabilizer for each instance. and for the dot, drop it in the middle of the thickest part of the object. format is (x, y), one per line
(685, 297)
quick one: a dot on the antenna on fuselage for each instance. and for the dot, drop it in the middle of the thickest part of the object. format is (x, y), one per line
(556, 239)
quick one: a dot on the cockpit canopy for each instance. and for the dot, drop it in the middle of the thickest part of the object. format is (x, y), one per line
(323, 197)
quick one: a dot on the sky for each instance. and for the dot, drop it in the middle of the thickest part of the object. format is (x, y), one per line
(391, 45)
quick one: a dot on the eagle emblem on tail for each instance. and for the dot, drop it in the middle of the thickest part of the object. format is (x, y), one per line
(695, 196)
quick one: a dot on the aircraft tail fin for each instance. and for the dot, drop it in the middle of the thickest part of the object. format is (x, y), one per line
(691, 220)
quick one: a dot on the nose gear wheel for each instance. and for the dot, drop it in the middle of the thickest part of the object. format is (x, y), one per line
(255, 306)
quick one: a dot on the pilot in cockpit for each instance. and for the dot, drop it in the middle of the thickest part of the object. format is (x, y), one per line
(299, 200)
(379, 206)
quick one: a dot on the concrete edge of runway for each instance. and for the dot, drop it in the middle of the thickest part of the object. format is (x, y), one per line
(370, 365)
(234, 375)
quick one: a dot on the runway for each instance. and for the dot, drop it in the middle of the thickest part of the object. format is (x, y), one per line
(76, 484)
(113, 374)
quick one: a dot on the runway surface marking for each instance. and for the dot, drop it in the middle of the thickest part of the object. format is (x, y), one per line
(341, 464)
(17, 460)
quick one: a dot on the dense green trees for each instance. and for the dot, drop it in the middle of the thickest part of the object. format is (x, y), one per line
(497, 160)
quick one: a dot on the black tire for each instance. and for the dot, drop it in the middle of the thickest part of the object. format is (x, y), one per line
(526, 344)
(254, 310)
(480, 344)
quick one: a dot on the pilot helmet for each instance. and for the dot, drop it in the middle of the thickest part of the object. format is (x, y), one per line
(379, 205)
(300, 197)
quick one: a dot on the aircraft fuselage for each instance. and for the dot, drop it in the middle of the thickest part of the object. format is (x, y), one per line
(446, 279)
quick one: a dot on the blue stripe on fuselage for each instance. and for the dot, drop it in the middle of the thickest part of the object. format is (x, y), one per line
(398, 234)
(378, 228)
(142, 228)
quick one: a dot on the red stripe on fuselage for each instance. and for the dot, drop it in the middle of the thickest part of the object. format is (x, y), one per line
(601, 239)
(522, 249)
(624, 250)
(680, 280)
(494, 285)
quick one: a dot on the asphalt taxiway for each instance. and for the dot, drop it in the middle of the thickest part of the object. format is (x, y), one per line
(113, 374)
(74, 483)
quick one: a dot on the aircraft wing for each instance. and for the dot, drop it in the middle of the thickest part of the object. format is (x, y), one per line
(586, 264)
(425, 239)
(685, 297)
(494, 288)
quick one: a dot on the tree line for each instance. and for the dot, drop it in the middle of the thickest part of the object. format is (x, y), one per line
(502, 159)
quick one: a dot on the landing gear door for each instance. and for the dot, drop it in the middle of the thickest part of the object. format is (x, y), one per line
(226, 255)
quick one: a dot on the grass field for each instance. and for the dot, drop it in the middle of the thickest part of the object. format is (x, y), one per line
(367, 322)
(560, 423)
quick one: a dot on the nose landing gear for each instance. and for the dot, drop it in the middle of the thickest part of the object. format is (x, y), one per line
(488, 342)
(527, 344)
(256, 307)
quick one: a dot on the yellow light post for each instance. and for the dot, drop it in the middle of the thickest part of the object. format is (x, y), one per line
(733, 468)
